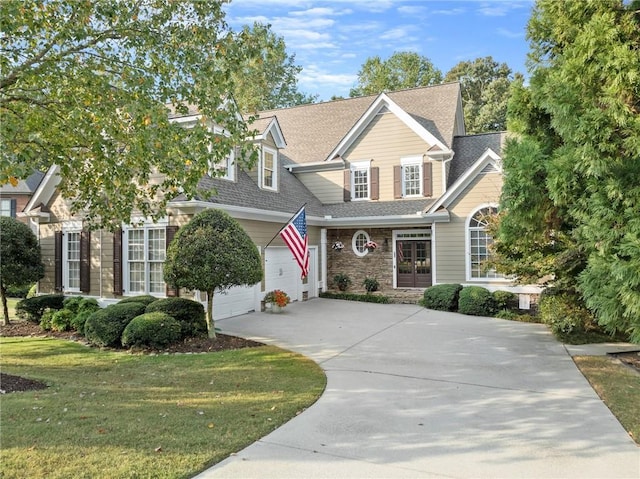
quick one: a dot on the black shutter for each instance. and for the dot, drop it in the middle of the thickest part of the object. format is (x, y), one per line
(427, 178)
(347, 185)
(375, 183)
(117, 262)
(397, 181)
(13, 208)
(85, 261)
(58, 260)
(170, 234)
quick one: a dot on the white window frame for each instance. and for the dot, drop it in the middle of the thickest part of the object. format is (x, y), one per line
(354, 243)
(274, 171)
(70, 228)
(228, 165)
(358, 166)
(126, 262)
(412, 161)
(490, 276)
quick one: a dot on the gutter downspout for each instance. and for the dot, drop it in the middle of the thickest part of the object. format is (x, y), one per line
(323, 257)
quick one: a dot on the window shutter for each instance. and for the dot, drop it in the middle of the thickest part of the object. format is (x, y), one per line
(13, 208)
(397, 181)
(85, 261)
(347, 185)
(170, 234)
(58, 260)
(375, 183)
(427, 178)
(117, 262)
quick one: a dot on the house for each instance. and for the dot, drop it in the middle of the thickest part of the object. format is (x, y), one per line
(396, 169)
(13, 199)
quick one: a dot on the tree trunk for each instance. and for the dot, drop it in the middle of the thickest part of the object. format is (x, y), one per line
(5, 308)
(211, 325)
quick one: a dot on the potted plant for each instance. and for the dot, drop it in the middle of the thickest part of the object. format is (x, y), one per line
(278, 300)
(338, 246)
(371, 284)
(342, 281)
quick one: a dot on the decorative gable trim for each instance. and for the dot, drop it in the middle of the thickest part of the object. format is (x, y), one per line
(274, 128)
(43, 193)
(381, 104)
(488, 158)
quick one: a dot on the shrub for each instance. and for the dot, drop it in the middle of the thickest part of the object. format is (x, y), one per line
(442, 297)
(365, 298)
(105, 327)
(32, 291)
(564, 313)
(61, 320)
(371, 284)
(477, 301)
(18, 291)
(342, 281)
(155, 329)
(32, 309)
(505, 300)
(190, 314)
(80, 319)
(45, 319)
(144, 299)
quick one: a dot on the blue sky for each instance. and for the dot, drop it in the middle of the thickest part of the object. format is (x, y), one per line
(331, 39)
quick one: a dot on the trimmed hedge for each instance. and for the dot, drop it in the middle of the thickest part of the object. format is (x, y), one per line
(144, 299)
(505, 300)
(190, 314)
(365, 298)
(61, 320)
(32, 309)
(476, 301)
(105, 327)
(442, 297)
(155, 329)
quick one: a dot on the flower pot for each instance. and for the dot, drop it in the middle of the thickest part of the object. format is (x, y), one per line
(276, 309)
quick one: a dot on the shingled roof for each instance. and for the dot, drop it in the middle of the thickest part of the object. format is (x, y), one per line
(469, 148)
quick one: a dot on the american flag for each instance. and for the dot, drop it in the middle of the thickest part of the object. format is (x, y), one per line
(295, 237)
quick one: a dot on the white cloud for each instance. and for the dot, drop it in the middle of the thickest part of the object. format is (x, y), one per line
(403, 32)
(314, 77)
(320, 11)
(450, 11)
(411, 10)
(509, 34)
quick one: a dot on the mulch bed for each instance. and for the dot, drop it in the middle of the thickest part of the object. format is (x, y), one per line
(10, 383)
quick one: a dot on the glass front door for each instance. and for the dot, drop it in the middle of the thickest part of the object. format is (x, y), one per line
(413, 264)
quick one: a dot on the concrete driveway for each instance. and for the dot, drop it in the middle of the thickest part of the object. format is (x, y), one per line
(415, 393)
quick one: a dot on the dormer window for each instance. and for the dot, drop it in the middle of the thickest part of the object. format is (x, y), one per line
(224, 169)
(269, 169)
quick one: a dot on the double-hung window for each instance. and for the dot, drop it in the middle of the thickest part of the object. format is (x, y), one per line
(269, 168)
(8, 208)
(411, 176)
(146, 251)
(71, 254)
(360, 180)
(225, 169)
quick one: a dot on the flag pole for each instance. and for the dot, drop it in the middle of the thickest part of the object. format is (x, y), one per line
(285, 225)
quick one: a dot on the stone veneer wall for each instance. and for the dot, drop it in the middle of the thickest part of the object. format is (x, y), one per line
(376, 264)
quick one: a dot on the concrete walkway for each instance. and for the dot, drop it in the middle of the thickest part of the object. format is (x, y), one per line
(414, 393)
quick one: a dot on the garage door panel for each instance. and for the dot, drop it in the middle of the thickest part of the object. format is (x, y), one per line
(234, 302)
(281, 271)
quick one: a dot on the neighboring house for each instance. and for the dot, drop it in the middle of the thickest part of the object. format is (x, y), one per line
(395, 169)
(13, 199)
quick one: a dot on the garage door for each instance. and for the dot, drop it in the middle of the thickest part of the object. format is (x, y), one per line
(234, 302)
(281, 271)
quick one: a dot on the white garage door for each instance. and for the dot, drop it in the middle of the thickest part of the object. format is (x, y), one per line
(234, 302)
(281, 271)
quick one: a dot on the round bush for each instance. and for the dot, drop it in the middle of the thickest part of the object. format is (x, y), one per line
(61, 320)
(190, 314)
(442, 297)
(505, 300)
(151, 329)
(80, 319)
(476, 301)
(105, 327)
(144, 299)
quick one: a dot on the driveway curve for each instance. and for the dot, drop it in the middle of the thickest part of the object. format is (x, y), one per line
(415, 393)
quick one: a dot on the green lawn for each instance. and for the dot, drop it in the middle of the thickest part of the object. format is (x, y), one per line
(116, 414)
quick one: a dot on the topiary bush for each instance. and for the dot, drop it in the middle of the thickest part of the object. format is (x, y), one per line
(144, 299)
(155, 329)
(61, 320)
(105, 327)
(476, 301)
(442, 297)
(505, 300)
(32, 309)
(190, 314)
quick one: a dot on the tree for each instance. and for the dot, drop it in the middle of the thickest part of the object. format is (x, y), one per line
(585, 88)
(267, 78)
(85, 84)
(212, 253)
(485, 93)
(401, 70)
(20, 258)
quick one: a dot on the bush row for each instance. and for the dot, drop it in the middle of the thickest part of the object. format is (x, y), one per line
(134, 321)
(472, 300)
(366, 298)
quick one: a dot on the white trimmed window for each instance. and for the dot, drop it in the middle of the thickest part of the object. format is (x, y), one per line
(411, 176)
(358, 242)
(144, 252)
(269, 169)
(71, 248)
(478, 243)
(360, 180)
(8, 208)
(226, 168)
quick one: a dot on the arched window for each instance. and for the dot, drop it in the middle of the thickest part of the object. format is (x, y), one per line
(478, 242)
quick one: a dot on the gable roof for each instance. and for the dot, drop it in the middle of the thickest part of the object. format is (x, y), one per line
(314, 131)
(467, 148)
(26, 186)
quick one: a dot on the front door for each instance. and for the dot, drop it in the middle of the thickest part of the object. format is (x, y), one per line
(413, 264)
